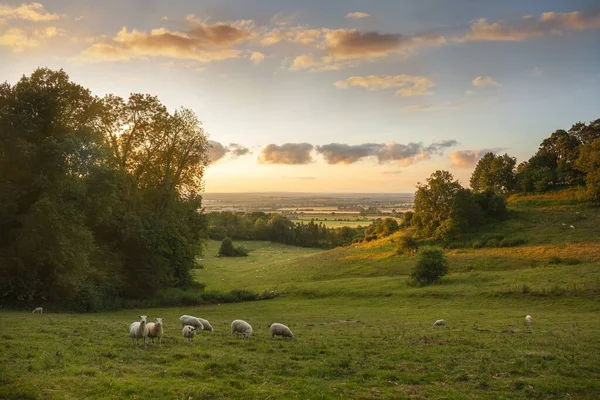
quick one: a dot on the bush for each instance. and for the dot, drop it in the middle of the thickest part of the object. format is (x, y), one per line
(228, 250)
(493, 243)
(407, 245)
(431, 266)
(478, 244)
(512, 242)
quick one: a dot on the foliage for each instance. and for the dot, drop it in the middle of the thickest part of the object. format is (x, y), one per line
(431, 266)
(407, 245)
(227, 249)
(494, 173)
(589, 162)
(98, 196)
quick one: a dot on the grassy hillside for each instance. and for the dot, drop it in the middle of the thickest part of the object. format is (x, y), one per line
(361, 331)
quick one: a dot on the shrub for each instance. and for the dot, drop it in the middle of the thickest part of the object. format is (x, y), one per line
(431, 266)
(512, 242)
(407, 245)
(554, 260)
(228, 250)
(493, 243)
(478, 244)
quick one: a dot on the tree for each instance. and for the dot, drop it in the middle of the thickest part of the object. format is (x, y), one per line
(494, 173)
(407, 245)
(228, 250)
(434, 202)
(589, 162)
(261, 231)
(431, 266)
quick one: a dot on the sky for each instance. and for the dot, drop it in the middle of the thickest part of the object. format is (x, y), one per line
(330, 96)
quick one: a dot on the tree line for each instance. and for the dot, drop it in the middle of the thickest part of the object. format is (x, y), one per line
(277, 228)
(445, 210)
(99, 196)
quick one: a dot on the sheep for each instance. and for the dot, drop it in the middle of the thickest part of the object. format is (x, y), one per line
(138, 330)
(206, 325)
(571, 226)
(280, 330)
(239, 326)
(528, 320)
(191, 321)
(155, 330)
(439, 322)
(38, 310)
(188, 332)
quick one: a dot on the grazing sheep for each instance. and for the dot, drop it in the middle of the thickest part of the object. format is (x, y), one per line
(206, 324)
(528, 320)
(281, 330)
(38, 310)
(188, 332)
(155, 330)
(571, 226)
(191, 321)
(138, 330)
(439, 322)
(239, 326)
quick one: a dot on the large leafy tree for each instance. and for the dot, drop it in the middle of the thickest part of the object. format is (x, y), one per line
(589, 162)
(495, 173)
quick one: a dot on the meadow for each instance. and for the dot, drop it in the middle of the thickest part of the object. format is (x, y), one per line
(362, 332)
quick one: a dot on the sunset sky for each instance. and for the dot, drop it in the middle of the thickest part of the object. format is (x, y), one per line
(330, 96)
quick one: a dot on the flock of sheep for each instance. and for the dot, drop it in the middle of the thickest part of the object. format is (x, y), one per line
(143, 329)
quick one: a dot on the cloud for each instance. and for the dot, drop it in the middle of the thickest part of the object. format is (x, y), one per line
(257, 57)
(357, 15)
(283, 19)
(34, 12)
(485, 81)
(469, 158)
(237, 150)
(547, 23)
(353, 44)
(325, 63)
(288, 153)
(201, 42)
(409, 85)
(338, 153)
(218, 151)
(18, 39)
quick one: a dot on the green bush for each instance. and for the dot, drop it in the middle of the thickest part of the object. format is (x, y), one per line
(478, 244)
(512, 242)
(228, 250)
(431, 266)
(407, 245)
(493, 243)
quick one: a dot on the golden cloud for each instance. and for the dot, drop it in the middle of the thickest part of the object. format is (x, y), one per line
(469, 158)
(257, 57)
(547, 23)
(409, 85)
(357, 15)
(34, 12)
(287, 153)
(18, 39)
(202, 42)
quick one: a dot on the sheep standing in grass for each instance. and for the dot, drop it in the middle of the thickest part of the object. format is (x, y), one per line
(239, 326)
(188, 332)
(439, 322)
(191, 321)
(155, 330)
(280, 330)
(138, 330)
(38, 310)
(528, 320)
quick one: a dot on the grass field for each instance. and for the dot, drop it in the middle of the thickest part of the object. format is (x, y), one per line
(361, 331)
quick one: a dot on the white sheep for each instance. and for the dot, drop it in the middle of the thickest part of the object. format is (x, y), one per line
(280, 330)
(207, 326)
(528, 320)
(38, 310)
(138, 330)
(155, 330)
(239, 326)
(191, 321)
(439, 322)
(188, 332)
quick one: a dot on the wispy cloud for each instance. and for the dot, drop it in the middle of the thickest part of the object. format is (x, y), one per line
(548, 23)
(469, 158)
(403, 154)
(34, 12)
(17, 39)
(357, 15)
(288, 153)
(408, 85)
(485, 81)
(200, 42)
